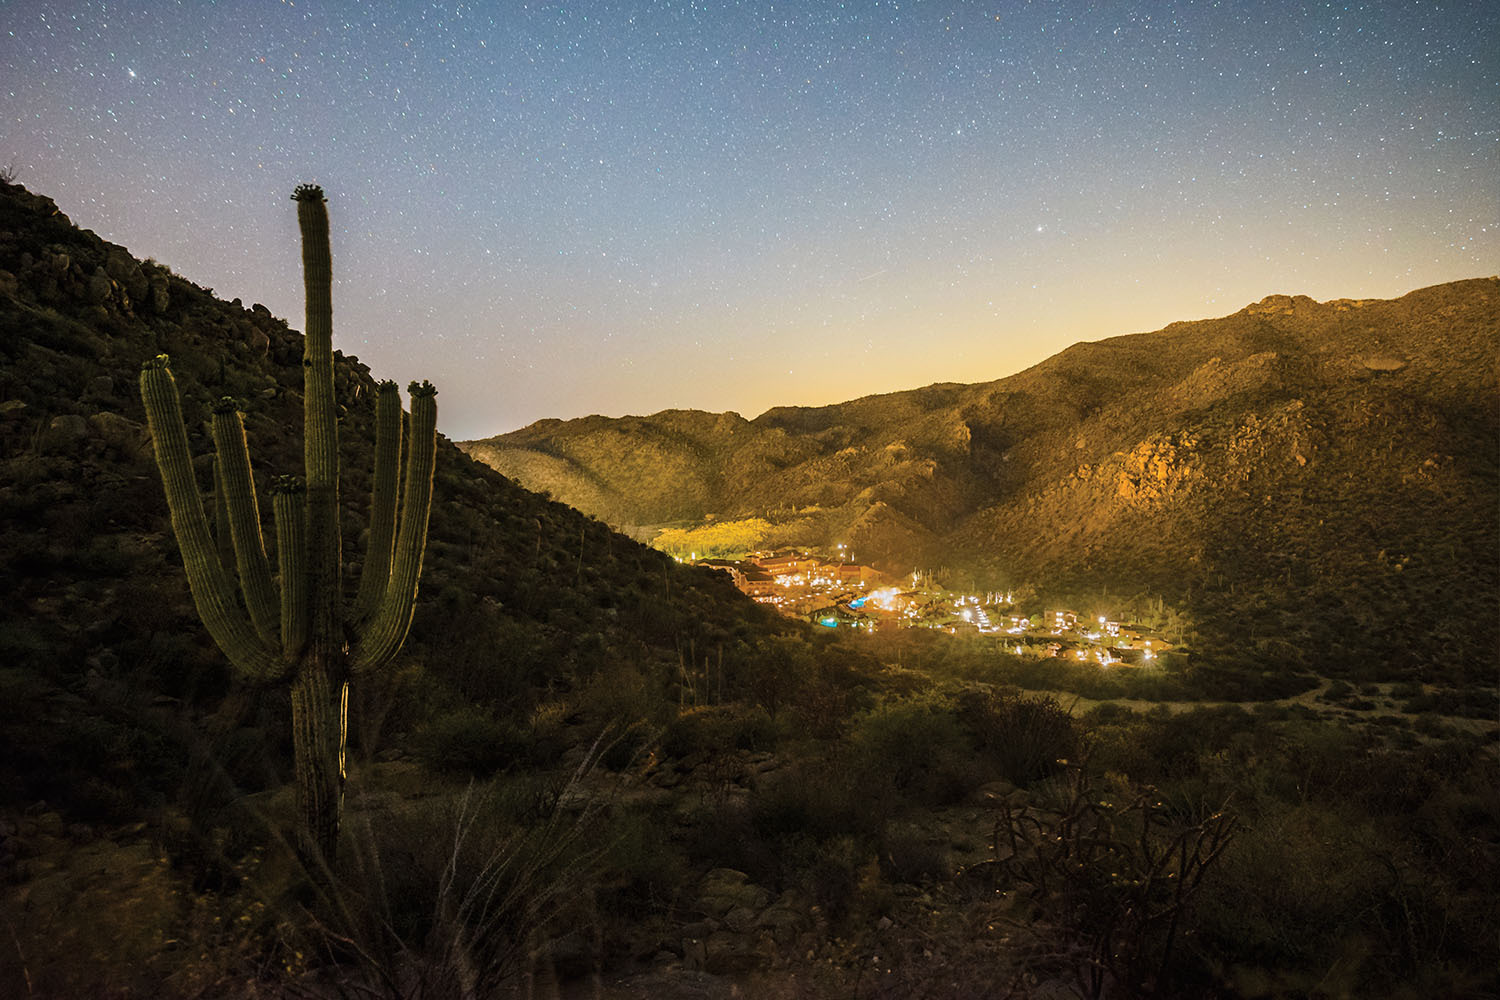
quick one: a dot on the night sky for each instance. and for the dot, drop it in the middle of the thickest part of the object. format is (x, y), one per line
(551, 210)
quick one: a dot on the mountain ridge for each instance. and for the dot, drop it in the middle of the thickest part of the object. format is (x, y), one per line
(1293, 440)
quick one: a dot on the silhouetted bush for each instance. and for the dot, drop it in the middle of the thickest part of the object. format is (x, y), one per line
(469, 740)
(710, 729)
(910, 856)
(822, 799)
(918, 746)
(1025, 737)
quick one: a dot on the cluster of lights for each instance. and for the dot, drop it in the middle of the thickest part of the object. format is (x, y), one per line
(973, 610)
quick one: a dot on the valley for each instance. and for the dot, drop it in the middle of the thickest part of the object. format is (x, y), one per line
(835, 594)
(1295, 454)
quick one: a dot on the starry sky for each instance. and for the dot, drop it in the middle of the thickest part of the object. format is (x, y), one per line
(556, 209)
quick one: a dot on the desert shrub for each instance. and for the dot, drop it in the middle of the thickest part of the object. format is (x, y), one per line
(527, 798)
(1026, 738)
(1474, 703)
(821, 799)
(831, 873)
(1113, 875)
(397, 700)
(822, 709)
(1179, 742)
(646, 874)
(711, 729)
(469, 740)
(1117, 744)
(446, 896)
(1405, 689)
(723, 834)
(1294, 895)
(775, 671)
(1338, 691)
(1108, 712)
(909, 855)
(918, 746)
(1434, 726)
(549, 735)
(628, 746)
(617, 696)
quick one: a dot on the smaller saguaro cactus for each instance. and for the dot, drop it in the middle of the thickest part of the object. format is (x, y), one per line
(291, 626)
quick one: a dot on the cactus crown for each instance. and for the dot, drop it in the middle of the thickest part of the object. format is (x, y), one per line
(161, 362)
(288, 485)
(308, 192)
(422, 389)
(228, 404)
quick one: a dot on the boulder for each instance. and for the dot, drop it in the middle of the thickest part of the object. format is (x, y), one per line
(740, 920)
(127, 437)
(99, 287)
(160, 296)
(724, 889)
(65, 432)
(783, 922)
(727, 953)
(123, 268)
(100, 387)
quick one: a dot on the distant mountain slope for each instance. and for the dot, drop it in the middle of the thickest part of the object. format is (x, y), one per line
(1315, 480)
(98, 637)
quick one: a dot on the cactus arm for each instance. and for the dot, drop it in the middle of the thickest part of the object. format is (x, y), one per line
(320, 434)
(287, 508)
(233, 464)
(222, 539)
(213, 590)
(376, 573)
(387, 631)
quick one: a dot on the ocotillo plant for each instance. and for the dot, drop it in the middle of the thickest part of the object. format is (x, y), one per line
(303, 636)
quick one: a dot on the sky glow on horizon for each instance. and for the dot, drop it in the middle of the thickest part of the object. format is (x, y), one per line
(555, 210)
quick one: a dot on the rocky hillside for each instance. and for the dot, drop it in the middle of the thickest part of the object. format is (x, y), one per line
(1313, 482)
(102, 659)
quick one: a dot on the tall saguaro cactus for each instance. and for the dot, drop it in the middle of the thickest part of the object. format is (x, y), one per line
(291, 626)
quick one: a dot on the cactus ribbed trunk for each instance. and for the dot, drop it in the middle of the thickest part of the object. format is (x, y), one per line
(303, 607)
(327, 650)
(317, 739)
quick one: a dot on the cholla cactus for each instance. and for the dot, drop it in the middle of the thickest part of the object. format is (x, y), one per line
(292, 626)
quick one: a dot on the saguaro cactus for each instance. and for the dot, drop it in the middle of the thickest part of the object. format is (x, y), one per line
(291, 627)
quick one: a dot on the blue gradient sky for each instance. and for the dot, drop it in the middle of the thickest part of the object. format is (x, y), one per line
(561, 209)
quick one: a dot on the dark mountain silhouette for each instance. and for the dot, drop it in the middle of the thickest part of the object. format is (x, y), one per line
(1315, 482)
(101, 654)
